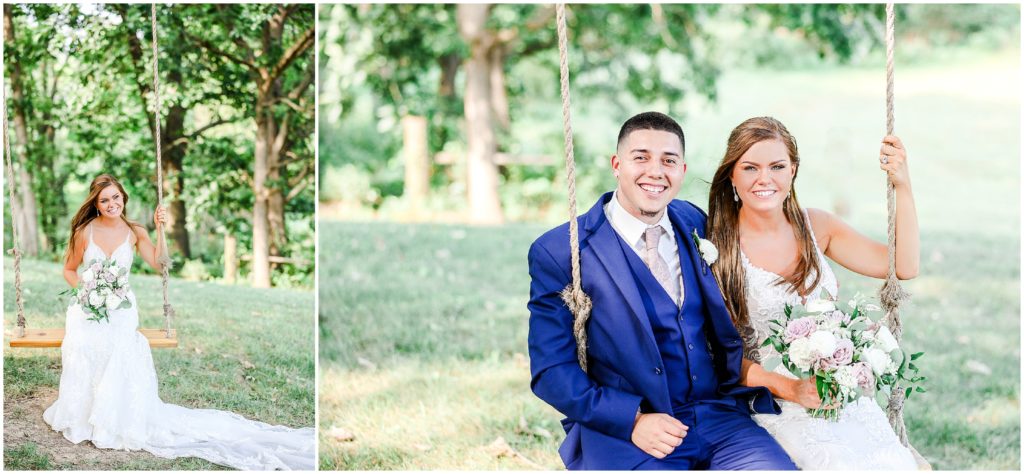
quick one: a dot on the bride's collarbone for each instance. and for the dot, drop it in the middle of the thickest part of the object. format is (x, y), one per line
(778, 256)
(110, 239)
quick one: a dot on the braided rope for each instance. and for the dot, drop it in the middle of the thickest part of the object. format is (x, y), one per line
(891, 294)
(577, 301)
(165, 261)
(15, 247)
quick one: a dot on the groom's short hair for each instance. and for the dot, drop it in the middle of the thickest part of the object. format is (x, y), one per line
(651, 121)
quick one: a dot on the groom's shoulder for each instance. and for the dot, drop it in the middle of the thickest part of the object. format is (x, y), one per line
(556, 240)
(687, 209)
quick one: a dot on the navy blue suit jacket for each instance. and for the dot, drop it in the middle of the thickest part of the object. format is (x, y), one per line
(624, 363)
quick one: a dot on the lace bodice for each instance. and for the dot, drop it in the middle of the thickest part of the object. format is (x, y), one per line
(766, 300)
(862, 438)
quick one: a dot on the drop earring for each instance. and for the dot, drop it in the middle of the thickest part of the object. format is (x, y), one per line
(735, 197)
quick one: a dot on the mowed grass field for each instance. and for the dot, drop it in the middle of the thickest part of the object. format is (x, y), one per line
(423, 326)
(241, 349)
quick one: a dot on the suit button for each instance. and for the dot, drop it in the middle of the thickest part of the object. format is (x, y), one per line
(657, 370)
(694, 377)
(690, 346)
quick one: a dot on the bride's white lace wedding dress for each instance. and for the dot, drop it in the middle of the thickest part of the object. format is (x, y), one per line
(108, 395)
(862, 438)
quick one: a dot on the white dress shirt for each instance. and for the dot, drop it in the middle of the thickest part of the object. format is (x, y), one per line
(632, 231)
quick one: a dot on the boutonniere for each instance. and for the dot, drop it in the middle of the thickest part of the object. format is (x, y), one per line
(707, 250)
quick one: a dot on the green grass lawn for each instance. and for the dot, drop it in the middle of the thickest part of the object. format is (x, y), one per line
(423, 327)
(423, 349)
(245, 350)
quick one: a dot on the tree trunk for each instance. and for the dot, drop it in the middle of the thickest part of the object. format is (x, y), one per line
(230, 258)
(260, 218)
(174, 177)
(28, 228)
(278, 233)
(417, 163)
(484, 204)
(499, 96)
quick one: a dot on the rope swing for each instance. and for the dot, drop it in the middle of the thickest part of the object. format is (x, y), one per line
(16, 248)
(165, 260)
(53, 337)
(892, 294)
(577, 301)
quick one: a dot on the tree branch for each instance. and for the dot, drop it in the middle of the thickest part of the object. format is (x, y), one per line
(224, 54)
(307, 80)
(300, 182)
(290, 55)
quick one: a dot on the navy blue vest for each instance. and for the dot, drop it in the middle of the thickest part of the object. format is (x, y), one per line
(678, 331)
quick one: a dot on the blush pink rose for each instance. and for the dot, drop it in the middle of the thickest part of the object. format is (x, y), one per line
(799, 328)
(843, 354)
(865, 377)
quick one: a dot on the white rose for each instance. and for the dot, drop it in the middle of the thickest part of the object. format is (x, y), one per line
(823, 343)
(95, 299)
(113, 301)
(708, 251)
(122, 280)
(886, 341)
(88, 276)
(877, 359)
(820, 306)
(801, 353)
(867, 336)
(846, 378)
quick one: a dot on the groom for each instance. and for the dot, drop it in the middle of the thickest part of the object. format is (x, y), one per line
(662, 387)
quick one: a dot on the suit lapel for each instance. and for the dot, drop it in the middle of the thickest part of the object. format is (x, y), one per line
(720, 319)
(605, 247)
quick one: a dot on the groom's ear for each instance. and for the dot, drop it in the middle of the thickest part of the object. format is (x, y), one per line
(615, 164)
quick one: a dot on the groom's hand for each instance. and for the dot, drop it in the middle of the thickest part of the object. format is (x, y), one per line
(658, 434)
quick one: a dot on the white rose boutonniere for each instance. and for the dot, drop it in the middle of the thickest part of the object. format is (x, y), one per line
(707, 250)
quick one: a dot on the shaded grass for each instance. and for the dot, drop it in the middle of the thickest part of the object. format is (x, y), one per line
(424, 344)
(245, 350)
(26, 457)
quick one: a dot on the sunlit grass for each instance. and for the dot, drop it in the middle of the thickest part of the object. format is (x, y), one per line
(241, 349)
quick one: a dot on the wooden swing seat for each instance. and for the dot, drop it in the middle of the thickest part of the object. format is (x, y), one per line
(53, 337)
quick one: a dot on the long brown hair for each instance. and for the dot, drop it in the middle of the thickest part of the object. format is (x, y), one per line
(88, 211)
(724, 213)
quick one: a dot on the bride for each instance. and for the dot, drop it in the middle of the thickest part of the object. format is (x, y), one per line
(772, 253)
(108, 386)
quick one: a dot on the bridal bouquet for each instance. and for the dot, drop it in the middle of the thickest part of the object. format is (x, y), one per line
(104, 288)
(849, 354)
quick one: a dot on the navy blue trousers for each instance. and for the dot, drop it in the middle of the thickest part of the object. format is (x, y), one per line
(722, 438)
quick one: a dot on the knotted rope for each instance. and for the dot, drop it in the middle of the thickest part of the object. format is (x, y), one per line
(15, 246)
(577, 301)
(891, 294)
(165, 261)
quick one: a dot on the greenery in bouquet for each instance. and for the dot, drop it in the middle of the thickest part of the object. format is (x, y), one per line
(849, 355)
(103, 288)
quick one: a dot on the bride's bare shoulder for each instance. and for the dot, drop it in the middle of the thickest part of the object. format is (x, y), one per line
(822, 223)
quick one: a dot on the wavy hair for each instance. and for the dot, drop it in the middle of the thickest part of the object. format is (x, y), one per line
(723, 220)
(88, 211)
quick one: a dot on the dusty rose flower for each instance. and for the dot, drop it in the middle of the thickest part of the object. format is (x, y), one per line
(843, 354)
(799, 328)
(865, 377)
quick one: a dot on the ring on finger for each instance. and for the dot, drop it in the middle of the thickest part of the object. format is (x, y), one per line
(884, 159)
